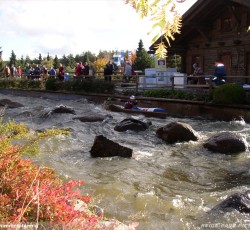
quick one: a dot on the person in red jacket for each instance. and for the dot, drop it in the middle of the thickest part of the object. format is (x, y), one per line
(130, 103)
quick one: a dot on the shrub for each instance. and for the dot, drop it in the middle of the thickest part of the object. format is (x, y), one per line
(229, 94)
(50, 84)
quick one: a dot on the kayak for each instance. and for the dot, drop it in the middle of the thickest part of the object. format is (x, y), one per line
(148, 112)
(150, 109)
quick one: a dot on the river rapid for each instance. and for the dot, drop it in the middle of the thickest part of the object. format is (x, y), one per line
(162, 186)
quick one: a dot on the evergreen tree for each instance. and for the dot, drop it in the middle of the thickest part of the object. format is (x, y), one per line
(48, 57)
(40, 59)
(13, 60)
(65, 60)
(86, 58)
(71, 61)
(22, 62)
(143, 59)
(56, 62)
(27, 60)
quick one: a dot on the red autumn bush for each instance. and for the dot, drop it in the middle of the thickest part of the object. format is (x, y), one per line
(29, 193)
(35, 194)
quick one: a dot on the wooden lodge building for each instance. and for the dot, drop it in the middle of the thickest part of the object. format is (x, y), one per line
(212, 30)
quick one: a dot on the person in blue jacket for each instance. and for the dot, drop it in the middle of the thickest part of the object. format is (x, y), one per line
(219, 73)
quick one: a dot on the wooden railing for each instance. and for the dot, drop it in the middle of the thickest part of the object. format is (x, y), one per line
(204, 82)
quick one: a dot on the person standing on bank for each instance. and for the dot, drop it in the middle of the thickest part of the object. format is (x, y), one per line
(219, 73)
(127, 74)
(108, 71)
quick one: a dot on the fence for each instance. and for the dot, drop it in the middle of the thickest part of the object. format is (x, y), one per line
(140, 81)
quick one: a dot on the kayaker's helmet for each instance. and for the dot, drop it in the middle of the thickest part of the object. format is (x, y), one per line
(132, 98)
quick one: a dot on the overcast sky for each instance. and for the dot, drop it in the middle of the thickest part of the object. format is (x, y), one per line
(61, 27)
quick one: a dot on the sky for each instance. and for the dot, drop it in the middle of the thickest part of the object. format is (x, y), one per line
(63, 27)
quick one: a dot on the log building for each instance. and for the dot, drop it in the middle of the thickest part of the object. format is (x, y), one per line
(212, 30)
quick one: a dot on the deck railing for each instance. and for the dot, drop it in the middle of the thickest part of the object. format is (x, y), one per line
(139, 81)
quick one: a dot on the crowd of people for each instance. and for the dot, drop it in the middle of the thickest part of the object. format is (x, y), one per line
(33, 72)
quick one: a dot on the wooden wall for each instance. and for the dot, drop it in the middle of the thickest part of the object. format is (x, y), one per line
(228, 39)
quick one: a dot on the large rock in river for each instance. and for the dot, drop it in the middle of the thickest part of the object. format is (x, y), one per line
(10, 104)
(132, 124)
(236, 202)
(93, 118)
(104, 147)
(226, 142)
(177, 132)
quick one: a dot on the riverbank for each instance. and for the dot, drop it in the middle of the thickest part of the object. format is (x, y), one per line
(175, 108)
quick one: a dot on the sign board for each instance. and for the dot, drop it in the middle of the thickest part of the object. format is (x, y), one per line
(160, 64)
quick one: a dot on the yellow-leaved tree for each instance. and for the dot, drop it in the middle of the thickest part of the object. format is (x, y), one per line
(167, 20)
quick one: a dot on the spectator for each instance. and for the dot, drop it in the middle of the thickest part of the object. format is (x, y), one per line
(198, 72)
(61, 72)
(27, 70)
(19, 72)
(52, 72)
(219, 73)
(127, 74)
(37, 72)
(6, 71)
(86, 69)
(108, 71)
(13, 71)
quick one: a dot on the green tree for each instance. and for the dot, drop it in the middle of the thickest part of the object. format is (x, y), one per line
(40, 59)
(27, 60)
(143, 59)
(71, 61)
(13, 60)
(48, 57)
(56, 62)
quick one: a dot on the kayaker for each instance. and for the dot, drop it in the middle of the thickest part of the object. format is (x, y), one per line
(130, 103)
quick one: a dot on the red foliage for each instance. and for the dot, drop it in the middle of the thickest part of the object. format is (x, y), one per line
(29, 193)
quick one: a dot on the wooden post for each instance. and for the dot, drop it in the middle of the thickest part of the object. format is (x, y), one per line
(136, 83)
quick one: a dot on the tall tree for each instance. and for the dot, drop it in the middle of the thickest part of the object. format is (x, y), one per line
(56, 62)
(143, 59)
(48, 57)
(27, 60)
(40, 59)
(13, 59)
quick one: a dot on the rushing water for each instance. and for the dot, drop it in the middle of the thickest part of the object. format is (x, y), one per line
(162, 186)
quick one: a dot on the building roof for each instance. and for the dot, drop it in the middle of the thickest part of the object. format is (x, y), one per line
(199, 19)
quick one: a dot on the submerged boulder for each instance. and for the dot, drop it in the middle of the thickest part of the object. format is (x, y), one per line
(63, 109)
(236, 202)
(104, 147)
(10, 104)
(226, 142)
(59, 109)
(93, 118)
(177, 132)
(132, 124)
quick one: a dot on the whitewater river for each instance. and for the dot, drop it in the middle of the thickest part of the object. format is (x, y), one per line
(162, 186)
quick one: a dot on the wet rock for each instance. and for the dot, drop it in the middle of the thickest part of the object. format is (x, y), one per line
(177, 132)
(132, 124)
(93, 118)
(59, 109)
(63, 109)
(104, 147)
(226, 142)
(10, 104)
(237, 202)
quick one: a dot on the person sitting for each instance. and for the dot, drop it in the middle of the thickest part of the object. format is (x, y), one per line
(130, 103)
